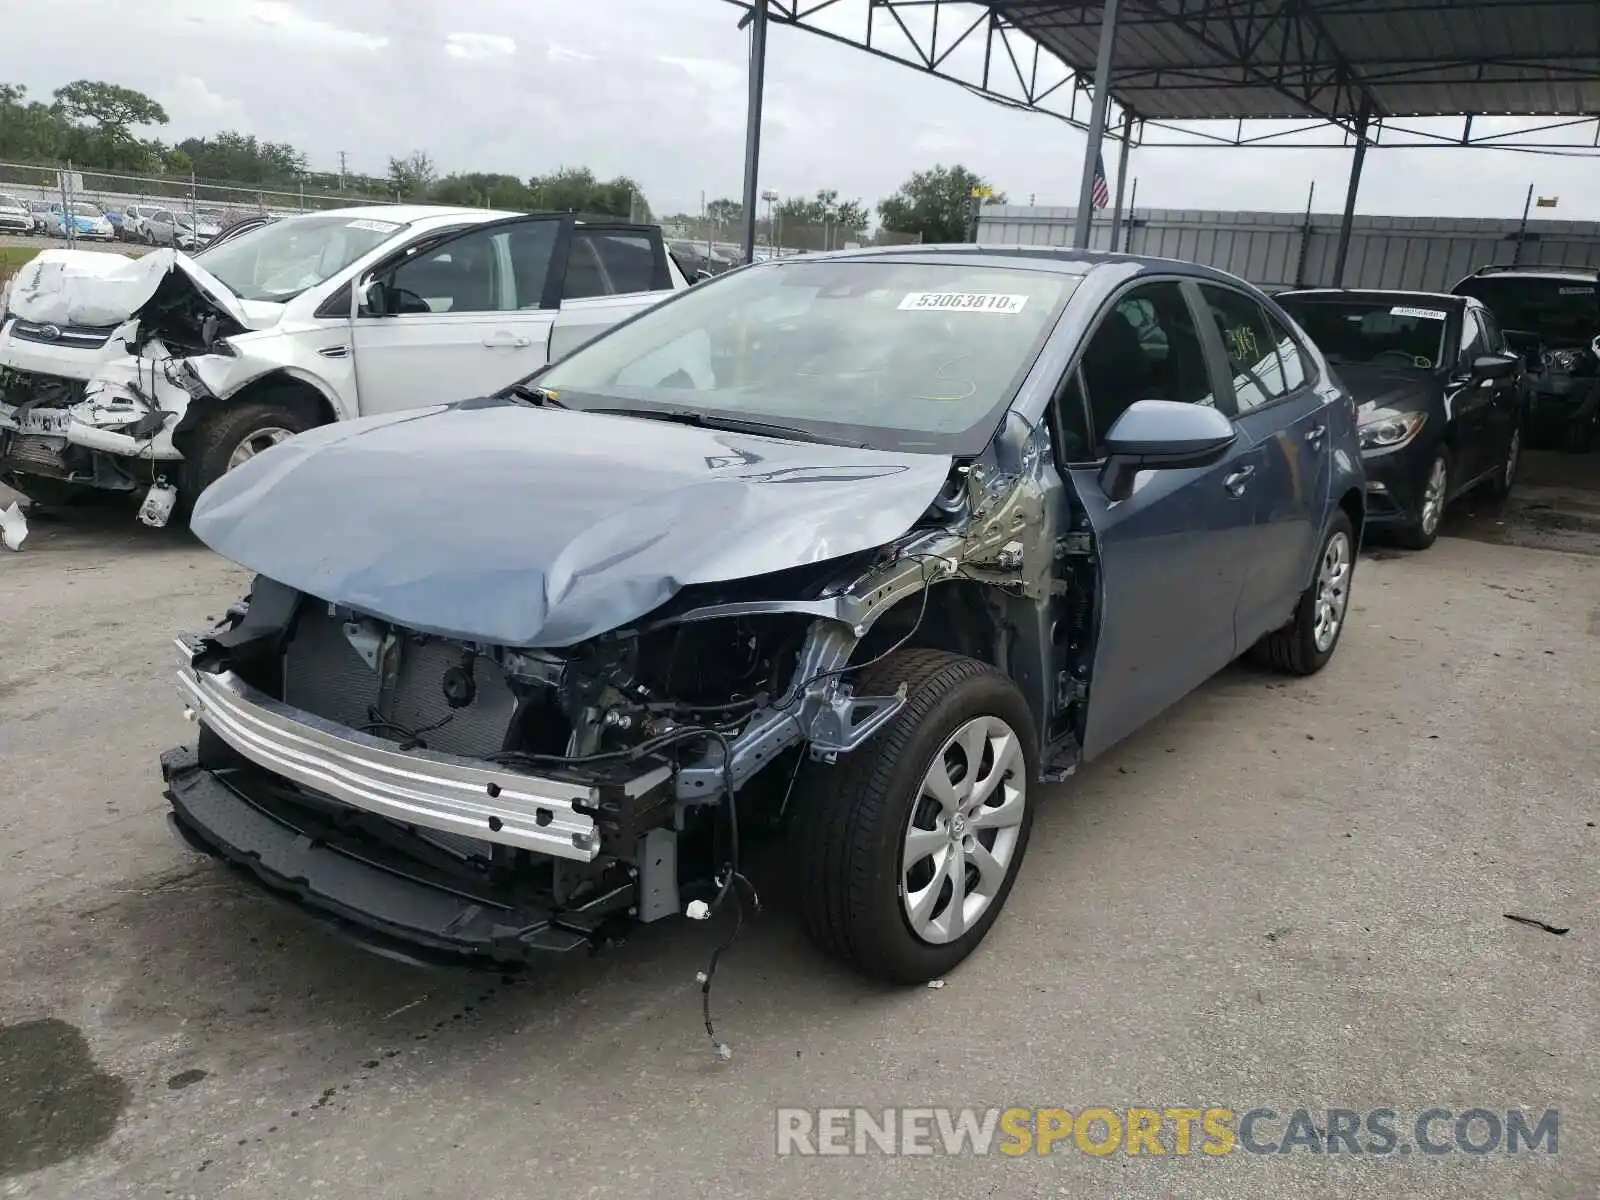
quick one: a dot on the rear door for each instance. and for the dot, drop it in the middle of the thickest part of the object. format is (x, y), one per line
(1471, 402)
(612, 272)
(467, 315)
(1281, 413)
(1173, 555)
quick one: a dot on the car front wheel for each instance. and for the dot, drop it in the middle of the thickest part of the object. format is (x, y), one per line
(907, 849)
(1506, 477)
(1423, 530)
(232, 436)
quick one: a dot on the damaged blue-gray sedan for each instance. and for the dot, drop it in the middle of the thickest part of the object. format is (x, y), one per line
(866, 546)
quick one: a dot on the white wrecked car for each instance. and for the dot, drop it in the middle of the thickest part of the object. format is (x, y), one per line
(156, 375)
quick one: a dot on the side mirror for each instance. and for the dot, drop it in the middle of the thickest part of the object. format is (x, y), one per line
(1162, 435)
(702, 275)
(1529, 345)
(1494, 366)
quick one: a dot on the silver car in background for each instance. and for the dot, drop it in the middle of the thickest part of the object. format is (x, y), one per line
(15, 216)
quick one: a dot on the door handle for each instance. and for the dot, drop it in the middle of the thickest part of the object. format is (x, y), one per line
(1317, 434)
(1238, 480)
(506, 341)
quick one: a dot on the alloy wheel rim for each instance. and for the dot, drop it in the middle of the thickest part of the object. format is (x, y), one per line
(1433, 495)
(961, 840)
(254, 443)
(1333, 591)
(1513, 452)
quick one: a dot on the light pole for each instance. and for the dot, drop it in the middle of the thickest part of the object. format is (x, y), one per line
(771, 197)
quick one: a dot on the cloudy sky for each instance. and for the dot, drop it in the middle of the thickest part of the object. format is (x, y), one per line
(656, 89)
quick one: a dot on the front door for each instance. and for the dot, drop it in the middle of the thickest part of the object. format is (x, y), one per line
(1173, 555)
(1282, 413)
(463, 317)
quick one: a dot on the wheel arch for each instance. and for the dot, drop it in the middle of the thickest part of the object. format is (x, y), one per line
(287, 386)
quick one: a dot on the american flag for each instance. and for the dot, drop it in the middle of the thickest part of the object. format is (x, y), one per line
(1100, 196)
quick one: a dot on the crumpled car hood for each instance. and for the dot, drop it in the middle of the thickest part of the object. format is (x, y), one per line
(84, 287)
(494, 522)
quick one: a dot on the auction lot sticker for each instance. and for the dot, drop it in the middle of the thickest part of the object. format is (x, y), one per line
(1422, 314)
(986, 302)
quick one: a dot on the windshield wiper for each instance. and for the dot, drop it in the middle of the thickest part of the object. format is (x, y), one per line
(693, 416)
(537, 396)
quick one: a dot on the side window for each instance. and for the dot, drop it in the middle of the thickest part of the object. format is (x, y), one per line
(459, 276)
(1258, 374)
(1071, 424)
(1474, 341)
(610, 263)
(528, 248)
(1145, 348)
(1492, 331)
(1296, 371)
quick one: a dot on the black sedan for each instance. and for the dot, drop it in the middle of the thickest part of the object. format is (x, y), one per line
(1441, 398)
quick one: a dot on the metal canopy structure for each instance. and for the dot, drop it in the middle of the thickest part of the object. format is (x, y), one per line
(1358, 66)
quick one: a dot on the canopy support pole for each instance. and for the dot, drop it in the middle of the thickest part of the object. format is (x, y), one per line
(752, 128)
(1346, 221)
(1097, 122)
(1122, 176)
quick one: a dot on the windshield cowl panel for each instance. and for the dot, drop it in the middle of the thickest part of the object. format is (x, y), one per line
(908, 356)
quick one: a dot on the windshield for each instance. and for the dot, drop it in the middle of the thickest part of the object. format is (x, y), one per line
(910, 356)
(1564, 312)
(283, 259)
(86, 210)
(1376, 332)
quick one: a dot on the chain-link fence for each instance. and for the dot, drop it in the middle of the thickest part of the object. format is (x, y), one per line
(212, 202)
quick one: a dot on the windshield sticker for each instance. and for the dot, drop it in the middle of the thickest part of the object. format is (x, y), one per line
(1422, 314)
(1577, 291)
(373, 226)
(987, 302)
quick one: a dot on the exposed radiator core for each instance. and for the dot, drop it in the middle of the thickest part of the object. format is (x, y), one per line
(326, 675)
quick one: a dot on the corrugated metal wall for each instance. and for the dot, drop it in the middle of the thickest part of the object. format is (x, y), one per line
(1276, 250)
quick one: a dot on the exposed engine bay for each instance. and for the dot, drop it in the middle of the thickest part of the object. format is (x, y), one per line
(556, 794)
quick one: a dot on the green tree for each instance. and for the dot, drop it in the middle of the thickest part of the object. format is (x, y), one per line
(575, 189)
(476, 189)
(820, 222)
(937, 204)
(230, 157)
(725, 213)
(110, 107)
(412, 175)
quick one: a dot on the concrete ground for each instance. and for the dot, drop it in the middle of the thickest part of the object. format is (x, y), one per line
(1283, 893)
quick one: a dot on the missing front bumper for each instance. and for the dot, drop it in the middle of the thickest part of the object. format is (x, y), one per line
(366, 886)
(558, 817)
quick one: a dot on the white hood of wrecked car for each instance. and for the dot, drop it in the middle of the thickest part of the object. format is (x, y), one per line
(494, 522)
(85, 287)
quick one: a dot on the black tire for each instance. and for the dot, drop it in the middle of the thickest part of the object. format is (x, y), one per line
(1506, 477)
(1417, 535)
(1579, 437)
(209, 447)
(1293, 649)
(851, 818)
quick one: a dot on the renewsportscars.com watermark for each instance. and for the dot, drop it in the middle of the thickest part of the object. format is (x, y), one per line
(1176, 1132)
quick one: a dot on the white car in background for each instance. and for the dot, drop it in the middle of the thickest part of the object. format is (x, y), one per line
(191, 234)
(15, 216)
(159, 374)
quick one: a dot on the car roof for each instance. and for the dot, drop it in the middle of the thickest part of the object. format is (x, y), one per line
(1580, 274)
(1059, 259)
(1381, 295)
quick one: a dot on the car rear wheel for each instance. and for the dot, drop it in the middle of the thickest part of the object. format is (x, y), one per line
(1423, 530)
(1506, 477)
(907, 849)
(1307, 642)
